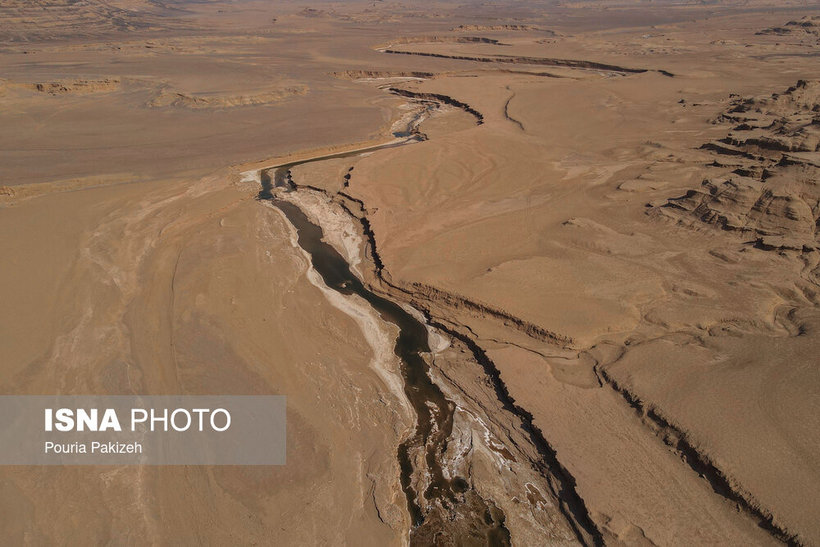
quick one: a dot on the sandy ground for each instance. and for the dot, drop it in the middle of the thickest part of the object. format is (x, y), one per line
(138, 311)
(660, 330)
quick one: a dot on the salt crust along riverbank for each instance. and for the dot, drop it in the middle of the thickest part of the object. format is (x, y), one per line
(379, 334)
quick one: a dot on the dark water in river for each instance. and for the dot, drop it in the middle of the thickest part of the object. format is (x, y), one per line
(479, 520)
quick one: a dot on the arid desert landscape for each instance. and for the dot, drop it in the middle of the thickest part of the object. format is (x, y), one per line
(528, 273)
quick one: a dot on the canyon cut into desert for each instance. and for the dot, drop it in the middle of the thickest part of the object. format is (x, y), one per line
(527, 273)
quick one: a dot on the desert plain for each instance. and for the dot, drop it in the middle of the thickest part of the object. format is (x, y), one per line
(528, 273)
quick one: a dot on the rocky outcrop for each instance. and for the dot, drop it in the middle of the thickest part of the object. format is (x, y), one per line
(426, 297)
(439, 98)
(446, 40)
(65, 87)
(769, 184)
(808, 25)
(481, 28)
(378, 74)
(178, 99)
(676, 438)
(545, 61)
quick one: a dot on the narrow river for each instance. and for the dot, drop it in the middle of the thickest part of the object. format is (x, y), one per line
(449, 509)
(445, 508)
(434, 411)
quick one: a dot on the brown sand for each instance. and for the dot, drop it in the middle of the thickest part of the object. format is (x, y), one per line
(630, 239)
